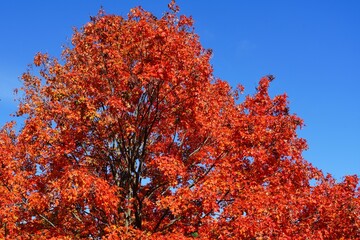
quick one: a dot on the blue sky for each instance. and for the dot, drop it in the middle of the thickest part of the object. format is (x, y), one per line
(312, 47)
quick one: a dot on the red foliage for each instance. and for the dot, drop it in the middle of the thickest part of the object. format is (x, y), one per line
(131, 137)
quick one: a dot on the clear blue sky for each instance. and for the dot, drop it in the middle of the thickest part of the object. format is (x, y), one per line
(312, 47)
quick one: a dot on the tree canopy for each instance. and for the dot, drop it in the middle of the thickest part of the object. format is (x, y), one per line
(130, 136)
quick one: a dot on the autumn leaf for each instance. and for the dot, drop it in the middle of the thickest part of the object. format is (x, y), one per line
(131, 136)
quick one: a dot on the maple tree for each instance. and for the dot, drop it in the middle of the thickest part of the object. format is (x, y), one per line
(130, 136)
